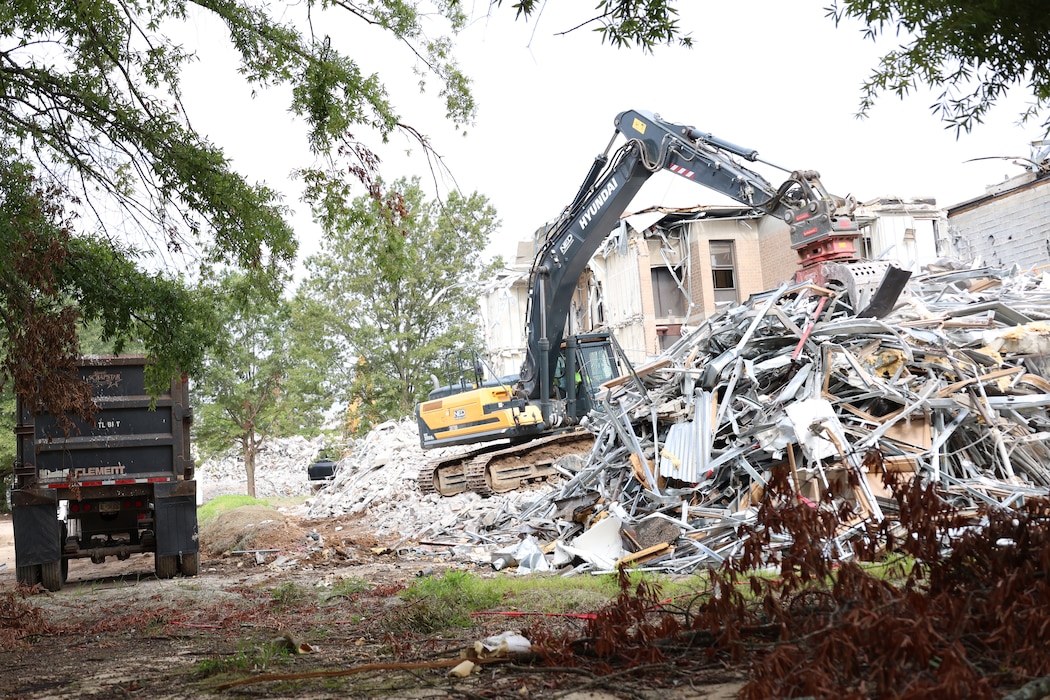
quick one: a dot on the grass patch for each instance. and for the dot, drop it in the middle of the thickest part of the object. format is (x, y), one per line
(435, 603)
(287, 595)
(222, 504)
(347, 588)
(247, 658)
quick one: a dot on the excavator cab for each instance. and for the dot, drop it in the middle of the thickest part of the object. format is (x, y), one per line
(462, 370)
(590, 359)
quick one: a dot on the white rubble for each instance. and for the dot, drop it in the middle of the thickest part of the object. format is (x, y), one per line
(378, 477)
(280, 469)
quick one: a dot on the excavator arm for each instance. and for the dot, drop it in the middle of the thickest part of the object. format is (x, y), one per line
(653, 144)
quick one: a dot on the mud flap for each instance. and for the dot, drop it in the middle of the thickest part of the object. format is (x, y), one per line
(37, 529)
(175, 515)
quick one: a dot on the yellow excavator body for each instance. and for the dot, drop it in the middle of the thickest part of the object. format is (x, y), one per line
(478, 415)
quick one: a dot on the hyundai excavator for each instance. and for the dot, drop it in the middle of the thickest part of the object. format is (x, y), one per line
(523, 426)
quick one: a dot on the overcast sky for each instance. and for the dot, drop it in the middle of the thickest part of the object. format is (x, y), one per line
(775, 76)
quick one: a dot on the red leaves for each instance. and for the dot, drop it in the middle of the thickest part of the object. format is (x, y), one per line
(961, 609)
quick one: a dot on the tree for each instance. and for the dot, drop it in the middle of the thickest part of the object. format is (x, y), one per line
(248, 389)
(974, 51)
(7, 443)
(91, 115)
(397, 282)
(52, 280)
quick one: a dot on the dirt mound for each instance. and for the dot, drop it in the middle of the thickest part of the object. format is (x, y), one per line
(258, 527)
(250, 527)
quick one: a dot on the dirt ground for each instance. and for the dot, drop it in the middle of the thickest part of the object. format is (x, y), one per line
(325, 588)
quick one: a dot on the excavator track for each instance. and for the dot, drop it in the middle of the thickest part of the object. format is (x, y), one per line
(502, 468)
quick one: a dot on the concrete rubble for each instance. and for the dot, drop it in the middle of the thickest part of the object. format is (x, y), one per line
(280, 469)
(951, 381)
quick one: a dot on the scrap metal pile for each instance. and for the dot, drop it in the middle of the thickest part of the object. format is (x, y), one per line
(949, 383)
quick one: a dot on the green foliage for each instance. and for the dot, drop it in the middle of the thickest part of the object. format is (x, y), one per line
(393, 287)
(287, 595)
(52, 279)
(348, 588)
(8, 418)
(248, 657)
(973, 51)
(439, 602)
(91, 116)
(252, 384)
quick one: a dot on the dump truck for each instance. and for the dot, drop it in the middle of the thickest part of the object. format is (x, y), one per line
(118, 485)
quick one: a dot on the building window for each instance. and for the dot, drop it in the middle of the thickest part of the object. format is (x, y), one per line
(668, 299)
(723, 271)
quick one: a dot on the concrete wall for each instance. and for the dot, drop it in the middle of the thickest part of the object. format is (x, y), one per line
(1009, 226)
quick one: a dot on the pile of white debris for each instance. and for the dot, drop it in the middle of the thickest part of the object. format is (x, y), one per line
(378, 477)
(280, 469)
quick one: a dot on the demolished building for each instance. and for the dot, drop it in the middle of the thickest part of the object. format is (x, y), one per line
(664, 270)
(1008, 224)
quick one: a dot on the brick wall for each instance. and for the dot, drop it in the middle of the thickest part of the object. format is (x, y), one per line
(762, 250)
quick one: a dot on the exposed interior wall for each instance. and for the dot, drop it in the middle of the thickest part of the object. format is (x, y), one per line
(616, 271)
(502, 320)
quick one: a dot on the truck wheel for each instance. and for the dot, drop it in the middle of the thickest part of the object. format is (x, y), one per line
(189, 563)
(51, 575)
(28, 575)
(166, 567)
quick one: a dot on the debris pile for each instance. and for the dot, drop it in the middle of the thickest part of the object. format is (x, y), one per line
(949, 383)
(280, 469)
(377, 477)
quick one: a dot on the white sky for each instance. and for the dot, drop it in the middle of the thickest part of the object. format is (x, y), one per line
(771, 75)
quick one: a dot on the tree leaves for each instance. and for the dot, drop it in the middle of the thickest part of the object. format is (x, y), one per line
(973, 52)
(91, 112)
(397, 280)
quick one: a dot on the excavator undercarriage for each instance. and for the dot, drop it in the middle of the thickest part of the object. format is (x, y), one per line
(500, 468)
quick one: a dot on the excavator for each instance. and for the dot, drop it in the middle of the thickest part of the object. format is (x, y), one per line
(519, 427)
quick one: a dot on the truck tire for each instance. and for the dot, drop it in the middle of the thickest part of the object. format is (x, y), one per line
(28, 575)
(51, 575)
(167, 566)
(189, 563)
